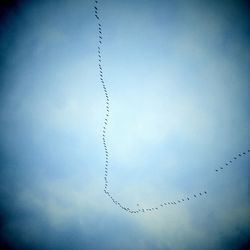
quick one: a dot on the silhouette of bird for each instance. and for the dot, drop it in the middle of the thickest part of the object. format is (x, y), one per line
(205, 192)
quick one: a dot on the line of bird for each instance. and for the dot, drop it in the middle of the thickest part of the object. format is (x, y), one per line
(105, 124)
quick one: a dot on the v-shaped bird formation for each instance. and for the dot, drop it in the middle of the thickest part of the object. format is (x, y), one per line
(139, 209)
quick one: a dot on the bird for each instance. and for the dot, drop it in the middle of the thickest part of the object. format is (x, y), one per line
(216, 170)
(221, 167)
(239, 154)
(195, 196)
(200, 194)
(235, 158)
(205, 192)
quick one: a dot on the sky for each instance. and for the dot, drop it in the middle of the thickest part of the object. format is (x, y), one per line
(176, 73)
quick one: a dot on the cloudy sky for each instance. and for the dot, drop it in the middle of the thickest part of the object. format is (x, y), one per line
(177, 74)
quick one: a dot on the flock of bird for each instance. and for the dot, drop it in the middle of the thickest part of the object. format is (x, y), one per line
(106, 190)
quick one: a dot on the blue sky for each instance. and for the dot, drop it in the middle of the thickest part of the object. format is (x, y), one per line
(177, 76)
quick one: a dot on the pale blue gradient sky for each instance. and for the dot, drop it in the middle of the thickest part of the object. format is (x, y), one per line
(177, 77)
